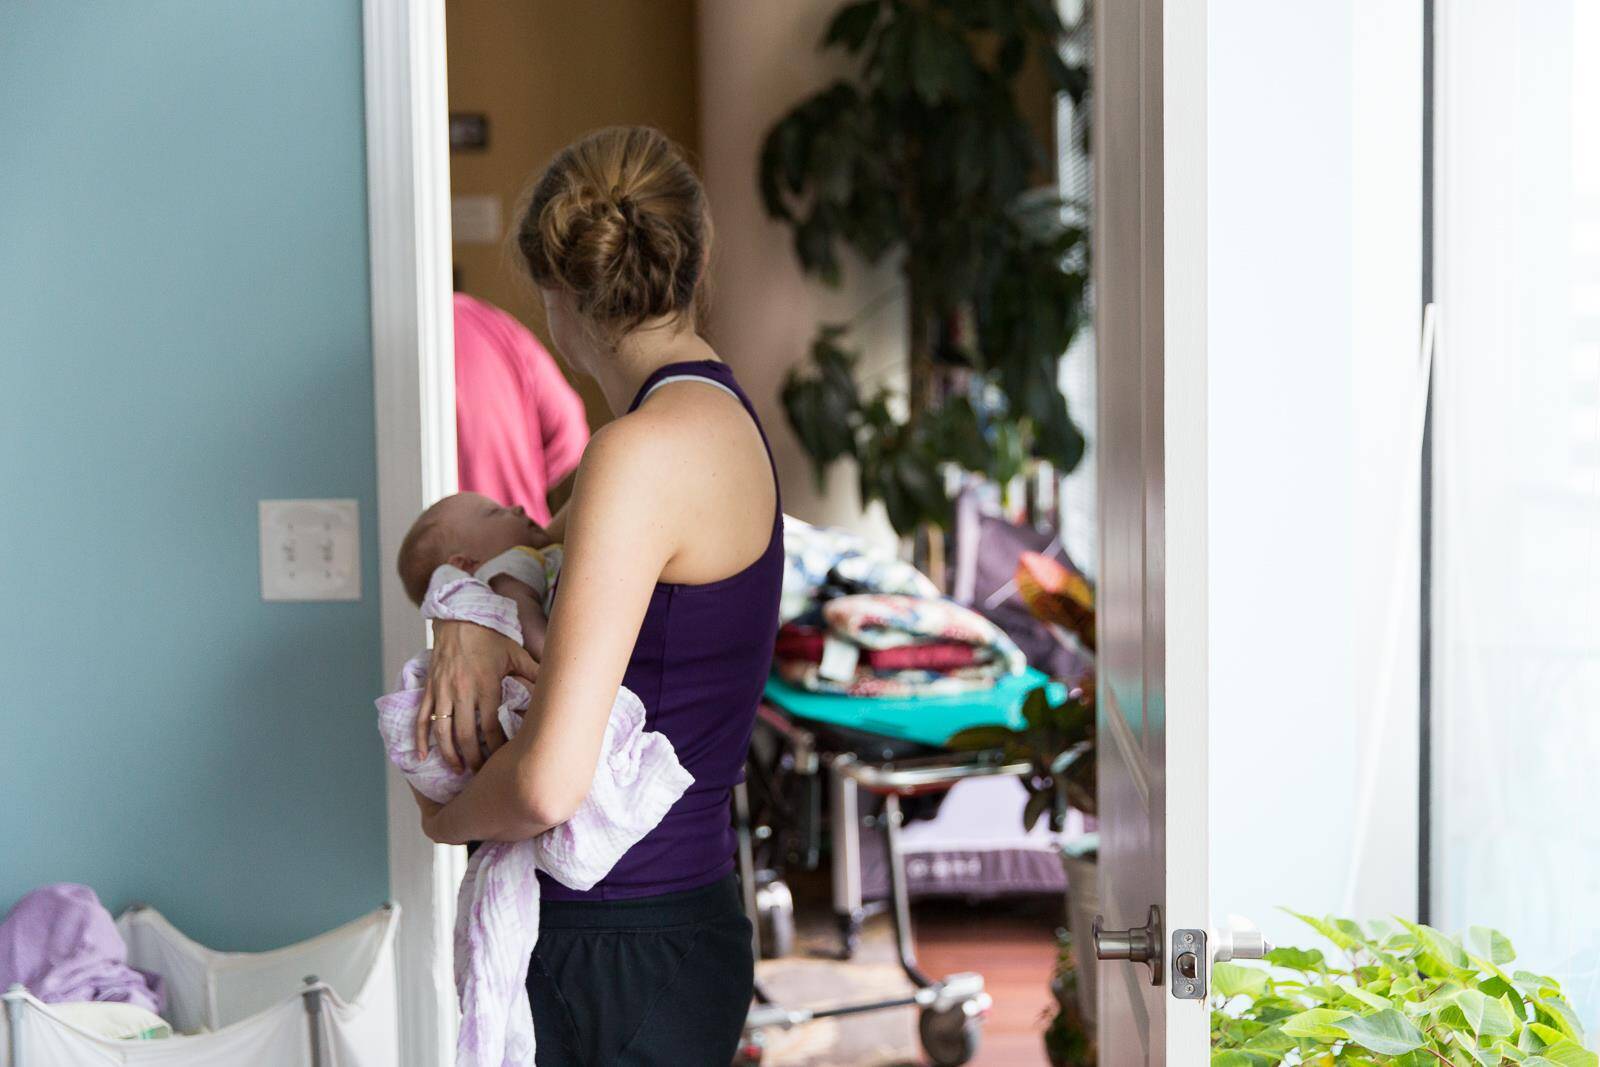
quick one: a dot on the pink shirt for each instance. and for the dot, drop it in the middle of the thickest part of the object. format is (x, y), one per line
(520, 427)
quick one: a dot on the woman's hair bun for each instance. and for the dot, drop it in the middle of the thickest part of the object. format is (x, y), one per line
(619, 220)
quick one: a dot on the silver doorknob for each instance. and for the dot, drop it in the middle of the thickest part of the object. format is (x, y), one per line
(1242, 940)
(1142, 944)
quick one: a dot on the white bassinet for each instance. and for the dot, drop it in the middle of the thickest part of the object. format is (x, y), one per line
(326, 1002)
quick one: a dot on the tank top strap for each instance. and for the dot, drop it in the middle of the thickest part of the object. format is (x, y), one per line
(710, 371)
(669, 379)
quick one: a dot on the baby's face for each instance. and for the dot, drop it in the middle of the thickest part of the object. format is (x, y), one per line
(480, 529)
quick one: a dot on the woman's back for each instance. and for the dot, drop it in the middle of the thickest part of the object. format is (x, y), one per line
(669, 585)
(699, 665)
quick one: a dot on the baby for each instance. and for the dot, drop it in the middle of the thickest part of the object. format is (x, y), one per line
(485, 549)
(496, 544)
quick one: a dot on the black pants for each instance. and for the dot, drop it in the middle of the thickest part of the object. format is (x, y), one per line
(660, 980)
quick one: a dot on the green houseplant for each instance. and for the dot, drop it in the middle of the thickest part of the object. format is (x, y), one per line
(1405, 994)
(926, 154)
(1057, 739)
(1068, 1035)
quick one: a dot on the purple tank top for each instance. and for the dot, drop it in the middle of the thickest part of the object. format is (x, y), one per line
(699, 667)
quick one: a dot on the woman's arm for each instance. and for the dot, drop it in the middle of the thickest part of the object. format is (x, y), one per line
(620, 538)
(557, 528)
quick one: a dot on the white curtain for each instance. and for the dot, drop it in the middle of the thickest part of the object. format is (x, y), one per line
(1516, 577)
(1078, 508)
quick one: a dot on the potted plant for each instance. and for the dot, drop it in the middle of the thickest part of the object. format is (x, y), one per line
(1069, 1035)
(926, 154)
(1404, 994)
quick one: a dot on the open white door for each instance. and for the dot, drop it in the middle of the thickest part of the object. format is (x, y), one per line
(1150, 273)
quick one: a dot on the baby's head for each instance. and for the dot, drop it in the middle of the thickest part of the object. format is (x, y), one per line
(465, 530)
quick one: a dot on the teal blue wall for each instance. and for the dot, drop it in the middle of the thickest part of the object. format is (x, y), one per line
(184, 331)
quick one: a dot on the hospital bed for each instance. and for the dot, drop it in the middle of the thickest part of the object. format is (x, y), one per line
(877, 760)
(799, 734)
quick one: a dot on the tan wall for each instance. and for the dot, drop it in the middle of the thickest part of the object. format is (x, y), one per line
(545, 72)
(757, 60)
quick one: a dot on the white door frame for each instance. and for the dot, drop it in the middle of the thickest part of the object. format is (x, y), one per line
(413, 367)
(1185, 295)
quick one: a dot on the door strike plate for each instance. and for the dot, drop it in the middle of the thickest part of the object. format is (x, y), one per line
(1189, 964)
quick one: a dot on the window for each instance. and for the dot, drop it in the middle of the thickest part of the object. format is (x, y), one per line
(1516, 473)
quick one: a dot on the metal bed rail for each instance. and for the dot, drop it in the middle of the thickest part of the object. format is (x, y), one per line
(951, 1006)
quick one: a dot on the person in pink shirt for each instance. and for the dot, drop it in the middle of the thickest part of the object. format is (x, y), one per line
(520, 426)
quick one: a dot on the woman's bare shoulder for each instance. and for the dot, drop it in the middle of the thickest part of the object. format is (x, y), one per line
(693, 459)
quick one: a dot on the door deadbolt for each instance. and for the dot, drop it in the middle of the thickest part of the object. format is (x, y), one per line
(1142, 944)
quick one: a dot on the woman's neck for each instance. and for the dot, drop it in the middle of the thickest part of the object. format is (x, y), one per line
(642, 352)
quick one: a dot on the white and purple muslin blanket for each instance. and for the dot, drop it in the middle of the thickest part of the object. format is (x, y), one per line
(637, 778)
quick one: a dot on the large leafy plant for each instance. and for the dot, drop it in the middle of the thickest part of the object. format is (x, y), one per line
(1405, 994)
(926, 154)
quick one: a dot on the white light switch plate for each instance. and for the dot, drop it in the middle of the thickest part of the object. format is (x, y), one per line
(310, 550)
(475, 220)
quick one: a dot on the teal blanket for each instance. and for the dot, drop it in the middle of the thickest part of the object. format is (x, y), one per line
(926, 720)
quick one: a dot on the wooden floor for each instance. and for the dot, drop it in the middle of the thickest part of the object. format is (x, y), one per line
(1010, 942)
(1014, 950)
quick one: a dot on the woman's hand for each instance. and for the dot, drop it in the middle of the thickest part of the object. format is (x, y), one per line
(463, 693)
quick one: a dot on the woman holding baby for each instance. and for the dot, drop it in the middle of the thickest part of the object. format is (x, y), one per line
(673, 561)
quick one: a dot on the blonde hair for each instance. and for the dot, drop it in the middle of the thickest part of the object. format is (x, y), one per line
(619, 220)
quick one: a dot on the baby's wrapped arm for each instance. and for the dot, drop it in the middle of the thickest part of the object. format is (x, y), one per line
(530, 611)
(527, 577)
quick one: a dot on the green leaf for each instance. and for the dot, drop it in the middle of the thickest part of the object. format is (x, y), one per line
(1486, 1016)
(1567, 1053)
(1535, 985)
(1321, 1024)
(1340, 938)
(852, 25)
(978, 738)
(1547, 1035)
(1233, 1058)
(1498, 987)
(1271, 1042)
(1296, 959)
(1386, 1032)
(1367, 998)
(1438, 946)
(1038, 803)
(1489, 944)
(1232, 980)
(1560, 1015)
(1503, 1050)
(1036, 706)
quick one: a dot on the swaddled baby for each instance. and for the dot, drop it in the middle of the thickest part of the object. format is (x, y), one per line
(469, 559)
(467, 531)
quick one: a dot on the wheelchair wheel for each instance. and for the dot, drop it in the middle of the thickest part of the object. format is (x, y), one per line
(950, 1037)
